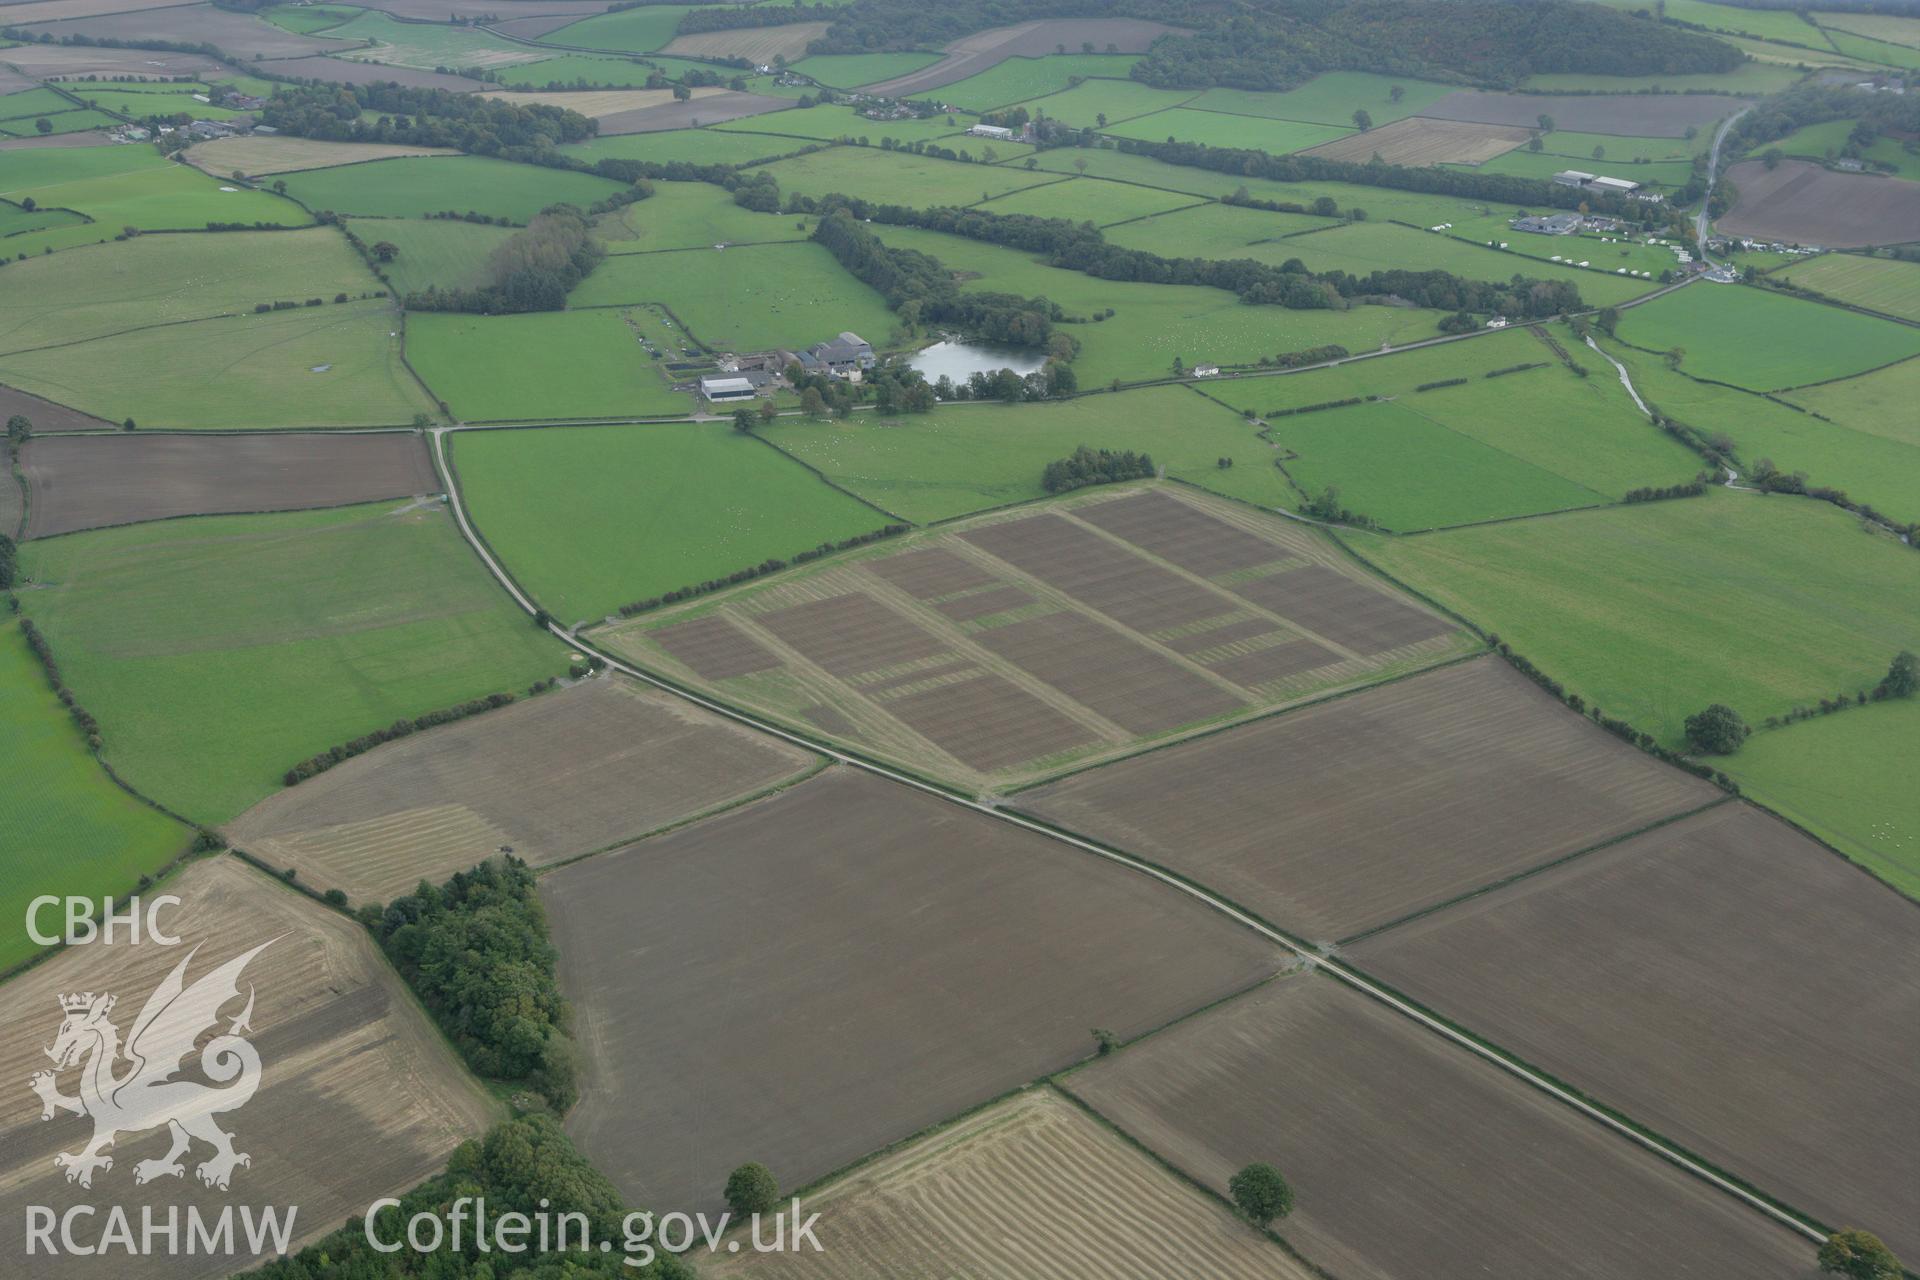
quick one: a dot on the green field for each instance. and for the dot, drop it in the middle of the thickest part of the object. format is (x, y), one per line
(1880, 402)
(1762, 24)
(1216, 129)
(426, 46)
(1881, 51)
(693, 215)
(140, 104)
(551, 364)
(1876, 26)
(306, 20)
(15, 220)
(1885, 285)
(967, 457)
(1091, 200)
(696, 146)
(892, 177)
(1019, 79)
(28, 103)
(127, 186)
(590, 518)
(1654, 611)
(433, 251)
(414, 186)
(751, 298)
(70, 830)
(583, 69)
(1331, 98)
(156, 280)
(640, 30)
(326, 366)
(1828, 140)
(851, 70)
(1861, 453)
(1527, 164)
(1153, 324)
(261, 640)
(1222, 231)
(1396, 466)
(1765, 341)
(831, 121)
(1848, 778)
(1117, 100)
(77, 121)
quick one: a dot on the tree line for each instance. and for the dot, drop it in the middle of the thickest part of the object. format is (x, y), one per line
(772, 564)
(322, 761)
(1087, 466)
(420, 117)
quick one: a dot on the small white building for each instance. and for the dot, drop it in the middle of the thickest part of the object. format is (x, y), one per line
(1206, 371)
(991, 131)
(717, 390)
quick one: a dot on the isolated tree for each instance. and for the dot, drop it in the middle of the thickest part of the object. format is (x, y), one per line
(743, 419)
(1607, 319)
(751, 1189)
(1902, 678)
(1858, 1255)
(19, 428)
(128, 425)
(1104, 1041)
(1080, 163)
(385, 251)
(1395, 93)
(1674, 356)
(1361, 120)
(681, 93)
(1717, 731)
(1534, 143)
(1261, 1193)
(1032, 163)
(812, 403)
(768, 411)
(1599, 153)
(1546, 122)
(1770, 158)
(43, 124)
(280, 186)
(1100, 119)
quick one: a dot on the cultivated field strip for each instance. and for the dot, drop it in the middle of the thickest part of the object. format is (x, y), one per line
(1419, 142)
(1411, 1159)
(1030, 1189)
(1638, 115)
(1804, 203)
(850, 961)
(345, 1051)
(1421, 791)
(87, 482)
(1692, 977)
(1080, 631)
(549, 777)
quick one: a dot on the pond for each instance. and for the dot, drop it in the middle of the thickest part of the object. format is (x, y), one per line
(961, 360)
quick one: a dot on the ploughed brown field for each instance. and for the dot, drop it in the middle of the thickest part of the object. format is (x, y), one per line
(550, 777)
(813, 976)
(59, 10)
(87, 482)
(998, 650)
(285, 153)
(1723, 980)
(597, 104)
(1643, 115)
(45, 414)
(1345, 815)
(1410, 1156)
(238, 35)
(1804, 203)
(759, 45)
(342, 71)
(717, 109)
(360, 1096)
(1033, 1188)
(58, 61)
(1417, 141)
(970, 55)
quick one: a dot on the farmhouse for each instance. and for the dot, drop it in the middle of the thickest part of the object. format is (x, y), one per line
(721, 389)
(848, 354)
(991, 131)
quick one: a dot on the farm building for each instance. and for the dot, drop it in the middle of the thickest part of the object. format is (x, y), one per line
(991, 131)
(1613, 186)
(1552, 224)
(1572, 178)
(719, 389)
(847, 354)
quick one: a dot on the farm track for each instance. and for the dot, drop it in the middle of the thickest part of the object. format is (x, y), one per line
(1310, 957)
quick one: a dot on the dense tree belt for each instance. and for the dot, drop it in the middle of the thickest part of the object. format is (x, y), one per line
(419, 117)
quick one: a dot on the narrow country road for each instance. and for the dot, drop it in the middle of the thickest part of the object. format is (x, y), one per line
(1713, 176)
(1312, 959)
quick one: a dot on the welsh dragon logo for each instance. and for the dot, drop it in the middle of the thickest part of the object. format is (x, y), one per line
(145, 1095)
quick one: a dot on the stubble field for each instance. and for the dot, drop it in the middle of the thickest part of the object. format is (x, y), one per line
(552, 777)
(1689, 977)
(958, 958)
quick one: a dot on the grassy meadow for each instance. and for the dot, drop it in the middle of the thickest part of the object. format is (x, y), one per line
(1656, 610)
(264, 639)
(414, 186)
(70, 830)
(640, 30)
(1090, 200)
(967, 457)
(695, 146)
(432, 251)
(1765, 341)
(1083, 105)
(1216, 129)
(891, 177)
(549, 364)
(590, 518)
(851, 70)
(831, 121)
(1019, 79)
(1879, 403)
(693, 215)
(326, 366)
(1886, 285)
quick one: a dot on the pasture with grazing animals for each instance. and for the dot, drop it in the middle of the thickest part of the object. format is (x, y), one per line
(1012, 948)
